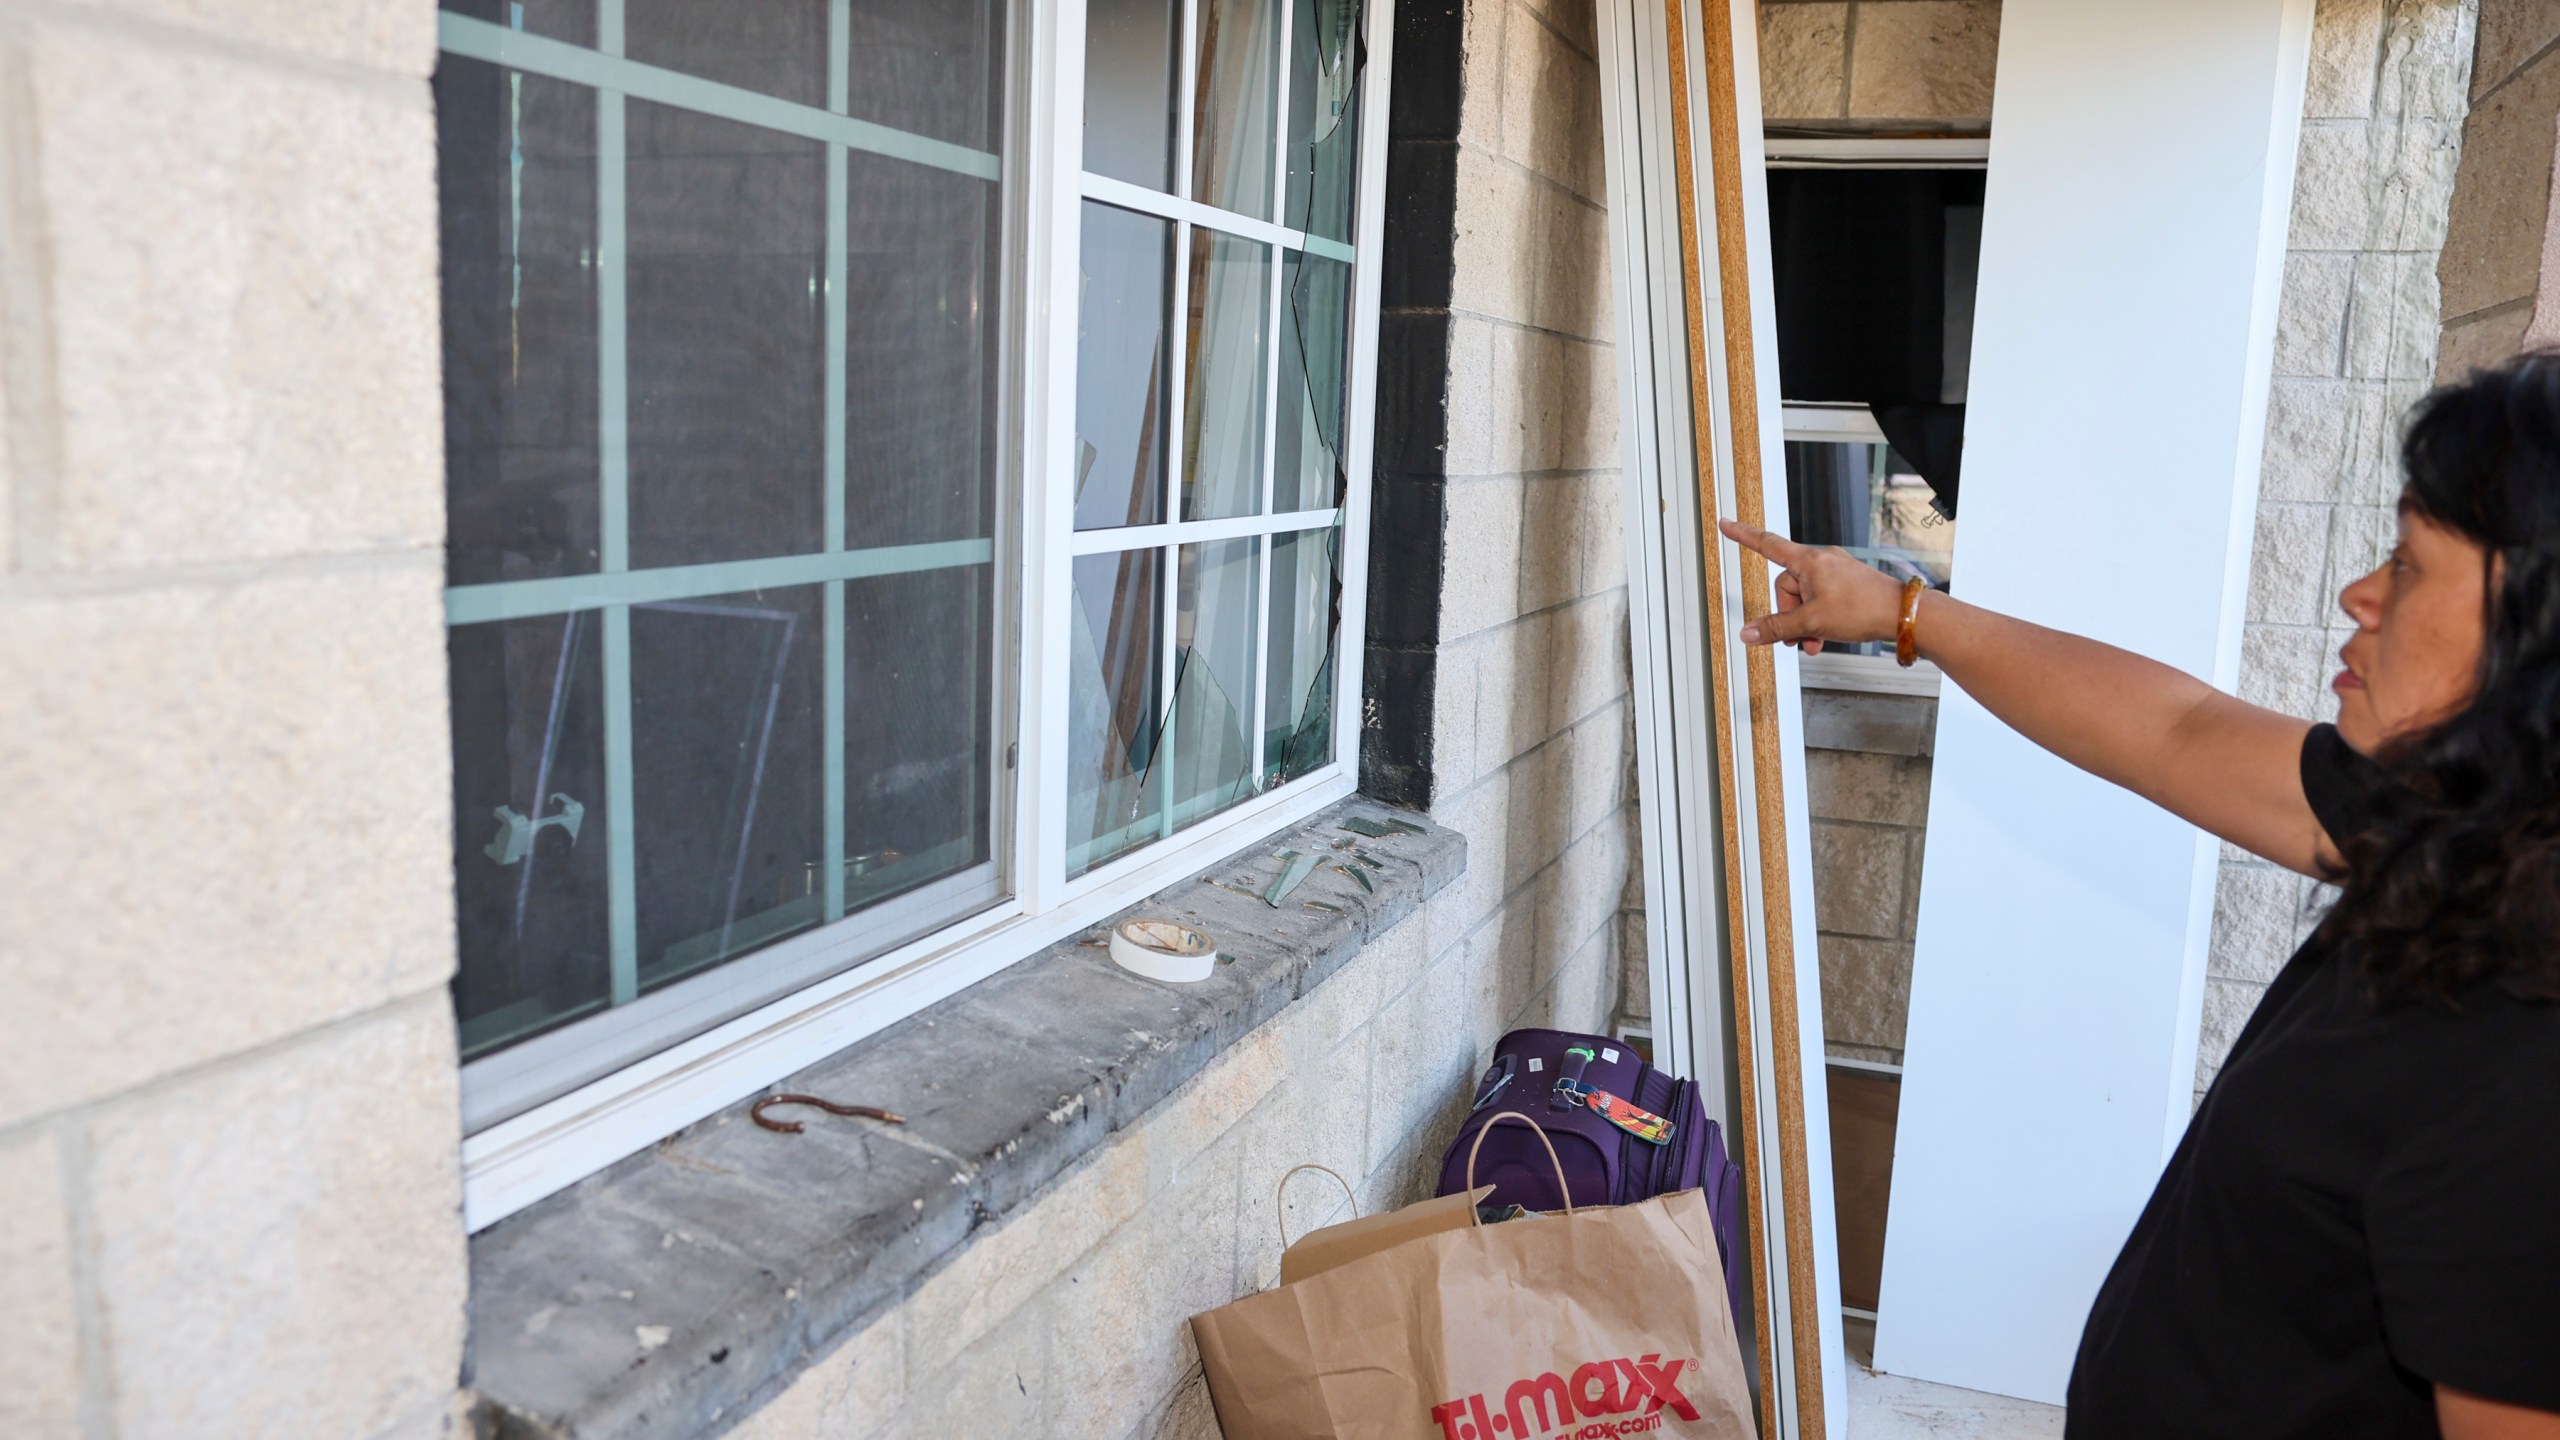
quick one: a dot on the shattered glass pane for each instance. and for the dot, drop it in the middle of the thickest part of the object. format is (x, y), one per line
(1306, 612)
(1214, 644)
(1122, 367)
(1232, 114)
(529, 822)
(1115, 707)
(1324, 116)
(1223, 381)
(1315, 350)
(727, 775)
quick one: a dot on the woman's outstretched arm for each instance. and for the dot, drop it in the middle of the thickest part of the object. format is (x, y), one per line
(2229, 767)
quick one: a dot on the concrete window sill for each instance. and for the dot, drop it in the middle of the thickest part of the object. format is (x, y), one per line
(674, 1292)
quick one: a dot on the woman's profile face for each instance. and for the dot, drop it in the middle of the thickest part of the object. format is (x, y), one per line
(2421, 621)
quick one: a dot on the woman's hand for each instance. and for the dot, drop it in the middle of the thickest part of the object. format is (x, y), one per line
(1823, 593)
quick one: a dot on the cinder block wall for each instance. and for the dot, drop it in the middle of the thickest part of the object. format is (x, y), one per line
(2501, 263)
(1532, 724)
(229, 1194)
(2356, 336)
(1899, 65)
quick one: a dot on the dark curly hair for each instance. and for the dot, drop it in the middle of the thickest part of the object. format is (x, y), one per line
(2457, 883)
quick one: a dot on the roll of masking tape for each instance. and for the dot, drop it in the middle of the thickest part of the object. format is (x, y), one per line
(1162, 950)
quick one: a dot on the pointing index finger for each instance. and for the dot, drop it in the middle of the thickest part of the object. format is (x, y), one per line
(1766, 542)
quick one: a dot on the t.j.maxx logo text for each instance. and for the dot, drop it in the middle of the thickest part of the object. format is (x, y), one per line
(1605, 1397)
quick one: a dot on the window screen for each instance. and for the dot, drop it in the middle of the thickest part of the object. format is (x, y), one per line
(723, 328)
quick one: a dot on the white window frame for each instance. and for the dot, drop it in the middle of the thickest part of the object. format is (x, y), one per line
(516, 1161)
(1866, 674)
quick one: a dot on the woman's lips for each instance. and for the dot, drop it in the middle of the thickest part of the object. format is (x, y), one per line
(2347, 680)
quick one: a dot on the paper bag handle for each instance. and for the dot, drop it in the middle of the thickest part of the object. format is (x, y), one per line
(1564, 1187)
(1281, 1189)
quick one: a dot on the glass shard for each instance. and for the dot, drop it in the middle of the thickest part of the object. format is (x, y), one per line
(1306, 617)
(1214, 644)
(1315, 349)
(1325, 59)
(1115, 707)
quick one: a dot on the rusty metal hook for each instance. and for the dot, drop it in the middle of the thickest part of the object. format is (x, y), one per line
(756, 1111)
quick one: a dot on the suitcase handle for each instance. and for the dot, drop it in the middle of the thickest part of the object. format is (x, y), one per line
(1564, 1187)
(1281, 1189)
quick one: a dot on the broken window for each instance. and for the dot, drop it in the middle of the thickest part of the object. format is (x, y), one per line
(802, 481)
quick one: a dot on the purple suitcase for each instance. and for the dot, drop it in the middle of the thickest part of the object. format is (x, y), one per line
(1603, 1163)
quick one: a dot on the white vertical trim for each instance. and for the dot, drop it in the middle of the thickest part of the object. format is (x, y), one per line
(1049, 160)
(1360, 404)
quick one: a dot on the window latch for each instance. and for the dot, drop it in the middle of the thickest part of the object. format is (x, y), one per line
(515, 836)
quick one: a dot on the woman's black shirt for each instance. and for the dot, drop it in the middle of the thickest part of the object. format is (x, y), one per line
(2366, 1204)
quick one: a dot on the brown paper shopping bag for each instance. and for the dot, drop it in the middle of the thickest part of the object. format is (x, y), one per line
(1320, 1250)
(1595, 1322)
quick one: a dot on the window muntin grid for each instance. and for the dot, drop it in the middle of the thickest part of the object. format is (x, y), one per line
(1290, 645)
(686, 655)
(1245, 383)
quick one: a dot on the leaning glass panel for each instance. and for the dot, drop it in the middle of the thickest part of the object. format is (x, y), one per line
(1315, 351)
(1223, 381)
(1234, 112)
(1214, 678)
(1324, 117)
(919, 741)
(1130, 69)
(727, 236)
(773, 47)
(1122, 367)
(1115, 707)
(519, 247)
(529, 825)
(1306, 622)
(726, 768)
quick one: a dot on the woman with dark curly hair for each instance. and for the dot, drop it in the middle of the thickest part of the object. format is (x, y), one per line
(2359, 1234)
